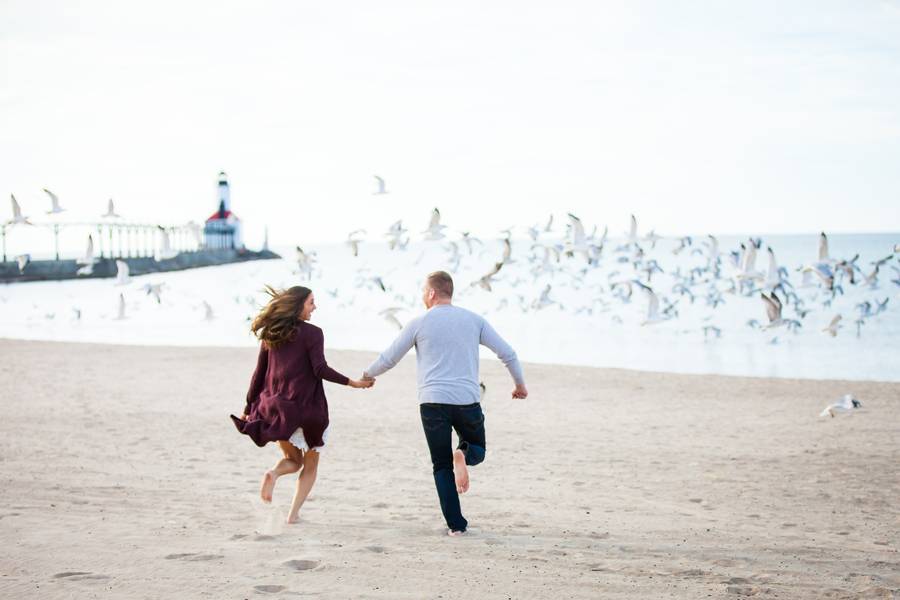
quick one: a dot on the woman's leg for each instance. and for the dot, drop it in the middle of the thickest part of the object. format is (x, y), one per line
(291, 462)
(304, 483)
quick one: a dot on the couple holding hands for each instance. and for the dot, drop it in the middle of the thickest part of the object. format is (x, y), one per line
(286, 401)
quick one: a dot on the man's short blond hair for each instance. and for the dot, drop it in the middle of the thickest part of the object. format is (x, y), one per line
(441, 283)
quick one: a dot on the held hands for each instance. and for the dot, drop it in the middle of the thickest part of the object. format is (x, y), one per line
(520, 392)
(362, 384)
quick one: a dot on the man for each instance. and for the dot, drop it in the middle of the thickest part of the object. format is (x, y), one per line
(446, 339)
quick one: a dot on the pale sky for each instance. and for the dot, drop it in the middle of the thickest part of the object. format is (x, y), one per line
(723, 117)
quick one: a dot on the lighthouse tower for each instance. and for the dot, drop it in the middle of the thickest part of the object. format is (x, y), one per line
(224, 192)
(223, 228)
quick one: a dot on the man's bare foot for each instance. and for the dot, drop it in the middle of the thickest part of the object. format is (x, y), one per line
(292, 519)
(460, 472)
(267, 487)
(452, 533)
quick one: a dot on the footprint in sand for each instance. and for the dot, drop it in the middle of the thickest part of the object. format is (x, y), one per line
(269, 589)
(301, 565)
(79, 576)
(193, 556)
(380, 505)
(376, 549)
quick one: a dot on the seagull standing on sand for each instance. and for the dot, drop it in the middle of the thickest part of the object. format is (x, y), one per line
(380, 186)
(54, 203)
(17, 218)
(207, 311)
(845, 404)
(121, 313)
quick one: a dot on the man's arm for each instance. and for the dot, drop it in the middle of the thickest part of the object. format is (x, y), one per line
(504, 352)
(397, 350)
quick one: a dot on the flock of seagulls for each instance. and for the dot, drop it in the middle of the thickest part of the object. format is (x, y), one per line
(607, 274)
(576, 268)
(55, 208)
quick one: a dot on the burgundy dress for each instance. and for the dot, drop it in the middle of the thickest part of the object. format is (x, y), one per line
(286, 390)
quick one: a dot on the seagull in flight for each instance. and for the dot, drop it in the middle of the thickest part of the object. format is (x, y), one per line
(435, 229)
(54, 203)
(165, 249)
(653, 316)
(381, 189)
(154, 289)
(485, 281)
(122, 273)
(88, 259)
(845, 404)
(773, 310)
(17, 219)
(22, 261)
(390, 315)
(110, 211)
(833, 326)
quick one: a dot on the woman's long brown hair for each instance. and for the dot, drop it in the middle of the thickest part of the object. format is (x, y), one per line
(277, 321)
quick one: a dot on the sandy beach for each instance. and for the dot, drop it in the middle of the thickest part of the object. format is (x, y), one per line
(124, 478)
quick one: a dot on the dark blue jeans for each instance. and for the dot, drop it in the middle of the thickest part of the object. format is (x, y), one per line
(438, 420)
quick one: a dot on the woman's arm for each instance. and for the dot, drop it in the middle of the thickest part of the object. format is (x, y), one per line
(316, 349)
(258, 379)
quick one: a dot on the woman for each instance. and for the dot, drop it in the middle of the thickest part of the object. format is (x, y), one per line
(286, 402)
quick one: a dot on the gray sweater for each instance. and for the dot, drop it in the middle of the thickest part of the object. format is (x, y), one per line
(446, 338)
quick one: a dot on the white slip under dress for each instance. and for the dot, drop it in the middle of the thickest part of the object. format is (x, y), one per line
(299, 441)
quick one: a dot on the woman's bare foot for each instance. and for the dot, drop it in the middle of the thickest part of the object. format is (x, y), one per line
(460, 472)
(452, 533)
(267, 487)
(292, 519)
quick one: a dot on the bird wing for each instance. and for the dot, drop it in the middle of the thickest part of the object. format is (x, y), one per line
(823, 247)
(53, 198)
(435, 219)
(577, 230)
(773, 310)
(17, 210)
(653, 304)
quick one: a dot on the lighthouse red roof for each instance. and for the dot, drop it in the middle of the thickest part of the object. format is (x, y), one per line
(217, 216)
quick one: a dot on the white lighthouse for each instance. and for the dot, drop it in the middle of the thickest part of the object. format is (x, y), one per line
(224, 192)
(223, 228)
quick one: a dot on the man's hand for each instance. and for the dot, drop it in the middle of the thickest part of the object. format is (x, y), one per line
(361, 383)
(520, 392)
